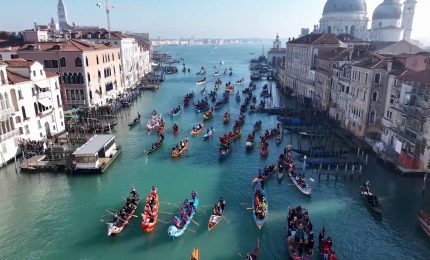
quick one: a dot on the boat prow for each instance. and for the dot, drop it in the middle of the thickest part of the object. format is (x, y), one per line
(424, 219)
(195, 255)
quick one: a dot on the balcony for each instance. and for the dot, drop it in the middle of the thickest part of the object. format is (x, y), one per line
(75, 102)
(9, 135)
(46, 94)
(6, 112)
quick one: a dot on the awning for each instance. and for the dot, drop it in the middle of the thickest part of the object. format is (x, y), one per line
(46, 102)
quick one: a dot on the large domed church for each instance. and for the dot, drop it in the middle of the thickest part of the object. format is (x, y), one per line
(391, 20)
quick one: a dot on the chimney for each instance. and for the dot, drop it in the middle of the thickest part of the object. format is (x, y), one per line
(389, 65)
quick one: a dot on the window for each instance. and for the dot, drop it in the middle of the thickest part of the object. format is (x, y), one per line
(58, 101)
(34, 73)
(72, 94)
(78, 62)
(56, 85)
(63, 62)
(88, 77)
(41, 72)
(20, 94)
(82, 94)
(377, 78)
(68, 95)
(2, 77)
(329, 29)
(61, 114)
(86, 61)
(100, 74)
(21, 131)
(91, 94)
(97, 59)
(380, 24)
(24, 115)
(36, 108)
(374, 96)
(372, 117)
(39, 125)
(367, 75)
(47, 64)
(54, 63)
(113, 57)
(27, 129)
(347, 90)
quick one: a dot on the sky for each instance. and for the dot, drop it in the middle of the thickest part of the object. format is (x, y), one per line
(184, 18)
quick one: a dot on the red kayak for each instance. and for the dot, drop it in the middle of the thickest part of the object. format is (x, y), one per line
(150, 215)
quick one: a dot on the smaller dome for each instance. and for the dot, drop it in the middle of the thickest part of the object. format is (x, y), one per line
(335, 6)
(389, 9)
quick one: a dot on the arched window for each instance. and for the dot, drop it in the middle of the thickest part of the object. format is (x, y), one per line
(18, 119)
(63, 62)
(74, 78)
(352, 32)
(6, 98)
(372, 117)
(374, 96)
(2, 78)
(1, 102)
(80, 79)
(24, 115)
(78, 62)
(65, 79)
(329, 29)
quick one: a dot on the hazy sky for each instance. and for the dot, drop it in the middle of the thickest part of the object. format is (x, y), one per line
(183, 18)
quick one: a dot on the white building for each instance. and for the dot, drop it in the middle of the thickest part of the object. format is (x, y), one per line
(30, 105)
(391, 20)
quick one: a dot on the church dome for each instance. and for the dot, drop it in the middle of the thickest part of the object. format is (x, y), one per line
(334, 6)
(389, 9)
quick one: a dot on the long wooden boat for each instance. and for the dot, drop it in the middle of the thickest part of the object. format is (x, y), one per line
(119, 225)
(214, 219)
(176, 231)
(224, 152)
(264, 152)
(149, 218)
(279, 137)
(156, 145)
(202, 108)
(291, 232)
(226, 118)
(176, 114)
(424, 219)
(200, 82)
(197, 131)
(249, 145)
(181, 152)
(209, 134)
(196, 254)
(260, 205)
(300, 183)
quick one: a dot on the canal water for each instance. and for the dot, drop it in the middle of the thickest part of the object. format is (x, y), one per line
(59, 216)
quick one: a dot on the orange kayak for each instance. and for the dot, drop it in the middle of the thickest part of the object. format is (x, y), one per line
(195, 255)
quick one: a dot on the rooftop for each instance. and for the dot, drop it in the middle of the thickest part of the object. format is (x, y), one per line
(316, 38)
(15, 78)
(93, 145)
(70, 45)
(418, 77)
(19, 63)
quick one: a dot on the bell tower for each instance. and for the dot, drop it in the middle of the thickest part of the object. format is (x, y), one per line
(408, 18)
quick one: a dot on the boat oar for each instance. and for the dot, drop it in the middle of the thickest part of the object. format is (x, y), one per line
(192, 230)
(114, 215)
(165, 212)
(195, 222)
(162, 221)
(249, 208)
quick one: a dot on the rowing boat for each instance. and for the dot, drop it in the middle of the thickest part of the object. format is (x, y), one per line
(156, 145)
(226, 118)
(208, 115)
(424, 219)
(134, 122)
(175, 153)
(119, 225)
(254, 254)
(215, 218)
(300, 183)
(370, 198)
(260, 205)
(176, 114)
(209, 134)
(176, 231)
(197, 131)
(150, 216)
(297, 227)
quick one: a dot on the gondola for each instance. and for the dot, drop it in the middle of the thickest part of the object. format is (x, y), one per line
(176, 114)
(257, 126)
(134, 122)
(175, 231)
(119, 224)
(177, 153)
(197, 130)
(300, 183)
(303, 232)
(370, 198)
(264, 151)
(156, 145)
(218, 105)
(224, 151)
(200, 82)
(260, 208)
(150, 215)
(202, 107)
(424, 219)
(215, 218)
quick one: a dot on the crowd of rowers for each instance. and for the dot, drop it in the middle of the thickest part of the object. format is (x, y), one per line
(179, 147)
(202, 103)
(151, 206)
(130, 205)
(218, 208)
(260, 204)
(268, 134)
(300, 231)
(325, 246)
(176, 110)
(197, 128)
(185, 212)
(232, 135)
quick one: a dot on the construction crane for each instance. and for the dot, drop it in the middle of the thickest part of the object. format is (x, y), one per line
(107, 6)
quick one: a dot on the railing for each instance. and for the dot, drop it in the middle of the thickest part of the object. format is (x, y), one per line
(11, 134)
(6, 112)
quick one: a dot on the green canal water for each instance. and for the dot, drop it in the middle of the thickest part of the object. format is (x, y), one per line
(59, 216)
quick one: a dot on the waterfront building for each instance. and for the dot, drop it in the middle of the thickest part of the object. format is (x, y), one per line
(390, 20)
(276, 54)
(90, 74)
(300, 63)
(406, 120)
(135, 58)
(30, 105)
